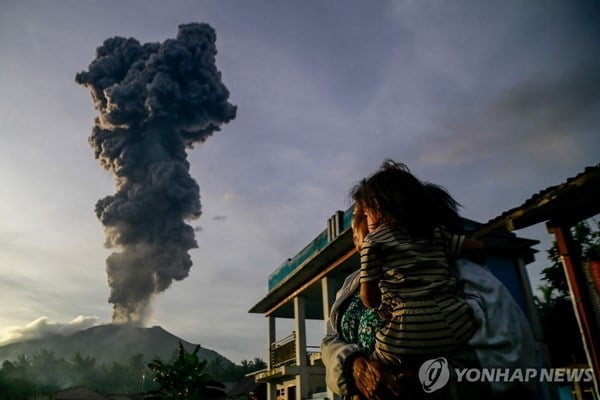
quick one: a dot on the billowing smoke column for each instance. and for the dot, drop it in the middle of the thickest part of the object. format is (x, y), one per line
(154, 101)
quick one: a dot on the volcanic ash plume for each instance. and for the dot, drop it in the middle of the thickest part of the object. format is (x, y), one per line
(154, 101)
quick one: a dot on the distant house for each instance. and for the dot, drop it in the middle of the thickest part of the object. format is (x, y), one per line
(304, 288)
(247, 388)
(133, 397)
(83, 393)
(79, 393)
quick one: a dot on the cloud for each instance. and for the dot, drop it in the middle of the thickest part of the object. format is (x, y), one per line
(219, 218)
(541, 117)
(553, 104)
(42, 327)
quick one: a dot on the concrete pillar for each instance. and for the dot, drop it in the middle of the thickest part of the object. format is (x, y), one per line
(271, 391)
(300, 329)
(271, 332)
(271, 387)
(301, 358)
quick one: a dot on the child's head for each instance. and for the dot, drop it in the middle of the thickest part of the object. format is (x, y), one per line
(398, 198)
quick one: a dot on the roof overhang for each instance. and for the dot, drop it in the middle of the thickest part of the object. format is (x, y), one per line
(334, 260)
(574, 200)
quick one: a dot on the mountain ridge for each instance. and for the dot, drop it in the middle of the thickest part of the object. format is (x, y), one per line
(109, 343)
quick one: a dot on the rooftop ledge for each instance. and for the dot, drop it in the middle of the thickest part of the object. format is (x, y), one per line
(287, 371)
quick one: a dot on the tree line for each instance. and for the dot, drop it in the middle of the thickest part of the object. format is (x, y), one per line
(44, 372)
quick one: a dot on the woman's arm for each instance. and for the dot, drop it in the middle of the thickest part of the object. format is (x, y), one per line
(370, 294)
(338, 357)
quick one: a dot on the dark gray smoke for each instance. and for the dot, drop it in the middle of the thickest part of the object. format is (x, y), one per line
(154, 100)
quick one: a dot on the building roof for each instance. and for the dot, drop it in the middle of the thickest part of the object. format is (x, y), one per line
(574, 200)
(126, 397)
(294, 282)
(245, 386)
(79, 393)
(317, 244)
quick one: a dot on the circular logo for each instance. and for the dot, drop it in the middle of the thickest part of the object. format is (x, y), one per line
(434, 374)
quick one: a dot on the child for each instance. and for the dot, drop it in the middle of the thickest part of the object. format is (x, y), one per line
(405, 261)
(359, 324)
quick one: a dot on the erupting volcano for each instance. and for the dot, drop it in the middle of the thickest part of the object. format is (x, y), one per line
(155, 100)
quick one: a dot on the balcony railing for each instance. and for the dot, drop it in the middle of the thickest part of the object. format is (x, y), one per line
(283, 352)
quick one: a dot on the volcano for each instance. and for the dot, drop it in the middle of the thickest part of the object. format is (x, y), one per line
(109, 343)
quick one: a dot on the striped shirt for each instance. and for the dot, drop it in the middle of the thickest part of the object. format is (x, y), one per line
(417, 290)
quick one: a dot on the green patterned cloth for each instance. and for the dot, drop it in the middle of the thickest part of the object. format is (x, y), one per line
(360, 324)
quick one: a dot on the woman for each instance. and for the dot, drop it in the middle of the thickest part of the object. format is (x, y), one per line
(350, 373)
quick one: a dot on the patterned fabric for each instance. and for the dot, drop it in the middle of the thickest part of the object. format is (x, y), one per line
(418, 291)
(360, 325)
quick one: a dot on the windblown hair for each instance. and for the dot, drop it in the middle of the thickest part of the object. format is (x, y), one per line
(405, 202)
(445, 208)
(359, 226)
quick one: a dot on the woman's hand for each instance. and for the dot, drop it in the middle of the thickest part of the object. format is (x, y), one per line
(373, 380)
(365, 376)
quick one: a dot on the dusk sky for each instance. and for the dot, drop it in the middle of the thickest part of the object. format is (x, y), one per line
(492, 100)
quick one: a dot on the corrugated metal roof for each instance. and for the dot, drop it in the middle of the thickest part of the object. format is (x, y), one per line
(79, 393)
(575, 199)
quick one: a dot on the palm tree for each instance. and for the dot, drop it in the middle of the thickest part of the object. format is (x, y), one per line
(185, 379)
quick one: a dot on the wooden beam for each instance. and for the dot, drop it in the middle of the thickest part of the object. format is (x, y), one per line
(589, 329)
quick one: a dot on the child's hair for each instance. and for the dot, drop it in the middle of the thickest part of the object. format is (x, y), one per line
(359, 226)
(405, 202)
(445, 208)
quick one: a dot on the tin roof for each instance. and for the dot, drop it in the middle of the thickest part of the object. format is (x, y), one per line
(576, 199)
(79, 393)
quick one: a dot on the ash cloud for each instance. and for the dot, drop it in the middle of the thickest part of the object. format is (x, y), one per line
(42, 327)
(155, 101)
